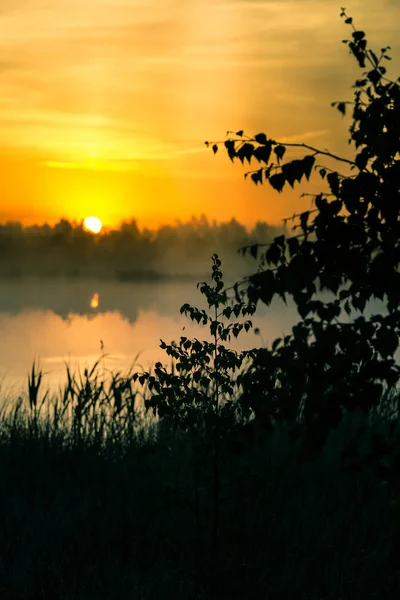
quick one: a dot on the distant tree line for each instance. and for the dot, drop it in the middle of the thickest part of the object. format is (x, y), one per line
(67, 249)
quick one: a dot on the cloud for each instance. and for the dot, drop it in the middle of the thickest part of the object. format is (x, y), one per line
(91, 165)
(304, 136)
(131, 76)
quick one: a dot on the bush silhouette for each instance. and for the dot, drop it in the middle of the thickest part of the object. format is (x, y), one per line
(346, 246)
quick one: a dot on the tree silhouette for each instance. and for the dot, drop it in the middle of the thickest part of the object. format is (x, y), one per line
(347, 246)
(68, 249)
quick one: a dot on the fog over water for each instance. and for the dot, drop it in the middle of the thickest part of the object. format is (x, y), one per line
(65, 294)
(55, 321)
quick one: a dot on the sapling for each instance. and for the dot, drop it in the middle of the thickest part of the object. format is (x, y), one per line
(200, 394)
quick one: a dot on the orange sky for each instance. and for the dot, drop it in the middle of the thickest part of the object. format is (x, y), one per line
(105, 104)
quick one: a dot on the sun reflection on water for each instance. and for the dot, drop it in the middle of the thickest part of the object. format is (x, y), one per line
(94, 301)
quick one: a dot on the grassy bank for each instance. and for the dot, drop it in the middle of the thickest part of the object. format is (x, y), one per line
(96, 503)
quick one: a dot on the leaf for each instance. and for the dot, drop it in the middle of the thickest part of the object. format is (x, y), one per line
(387, 341)
(360, 82)
(215, 148)
(359, 303)
(227, 312)
(374, 76)
(245, 152)
(362, 158)
(254, 250)
(358, 35)
(374, 58)
(280, 240)
(335, 207)
(277, 181)
(262, 286)
(308, 163)
(263, 153)
(279, 151)
(294, 245)
(261, 138)
(240, 133)
(247, 326)
(333, 180)
(293, 171)
(257, 176)
(230, 146)
(273, 254)
(276, 343)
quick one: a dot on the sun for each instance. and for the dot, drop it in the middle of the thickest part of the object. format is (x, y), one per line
(93, 224)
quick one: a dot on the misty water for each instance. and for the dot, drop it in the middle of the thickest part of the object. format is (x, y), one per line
(59, 321)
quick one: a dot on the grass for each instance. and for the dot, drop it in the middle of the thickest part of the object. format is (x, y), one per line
(98, 501)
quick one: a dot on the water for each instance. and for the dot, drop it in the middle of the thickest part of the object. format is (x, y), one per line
(57, 321)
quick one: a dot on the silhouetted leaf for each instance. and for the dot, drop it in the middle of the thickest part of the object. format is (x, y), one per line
(374, 76)
(358, 35)
(277, 181)
(362, 159)
(333, 180)
(374, 58)
(387, 341)
(230, 146)
(293, 171)
(279, 151)
(263, 153)
(335, 206)
(257, 176)
(293, 244)
(361, 82)
(308, 163)
(273, 254)
(254, 250)
(261, 138)
(245, 152)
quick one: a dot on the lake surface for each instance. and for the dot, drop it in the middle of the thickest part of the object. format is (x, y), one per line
(56, 321)
(59, 321)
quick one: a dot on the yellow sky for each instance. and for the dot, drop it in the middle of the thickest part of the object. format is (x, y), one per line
(105, 104)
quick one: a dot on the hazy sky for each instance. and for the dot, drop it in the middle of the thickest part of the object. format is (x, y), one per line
(105, 104)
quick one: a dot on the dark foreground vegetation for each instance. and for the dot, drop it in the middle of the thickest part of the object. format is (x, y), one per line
(268, 473)
(101, 505)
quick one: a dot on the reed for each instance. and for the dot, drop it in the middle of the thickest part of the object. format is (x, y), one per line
(102, 501)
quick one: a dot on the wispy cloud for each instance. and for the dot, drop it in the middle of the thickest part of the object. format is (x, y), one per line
(91, 165)
(304, 136)
(120, 82)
